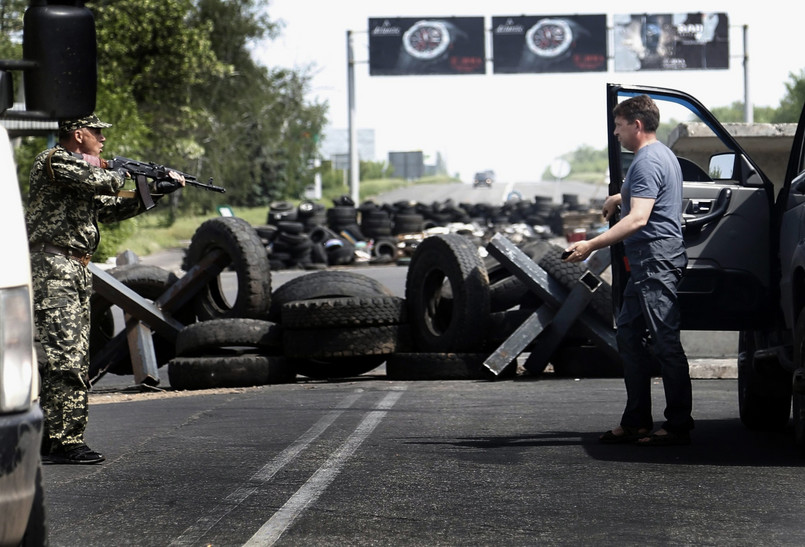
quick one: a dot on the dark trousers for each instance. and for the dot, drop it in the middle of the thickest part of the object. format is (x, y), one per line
(648, 335)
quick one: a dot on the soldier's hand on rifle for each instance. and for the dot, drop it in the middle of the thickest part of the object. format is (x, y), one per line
(174, 181)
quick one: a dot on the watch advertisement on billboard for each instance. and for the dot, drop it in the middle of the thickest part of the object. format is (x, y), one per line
(555, 43)
(432, 45)
(669, 41)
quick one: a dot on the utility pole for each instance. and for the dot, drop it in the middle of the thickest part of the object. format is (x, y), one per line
(749, 112)
(354, 167)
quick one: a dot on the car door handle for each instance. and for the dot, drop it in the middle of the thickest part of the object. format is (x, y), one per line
(695, 224)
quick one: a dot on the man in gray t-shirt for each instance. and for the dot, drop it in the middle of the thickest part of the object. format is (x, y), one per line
(655, 174)
(650, 228)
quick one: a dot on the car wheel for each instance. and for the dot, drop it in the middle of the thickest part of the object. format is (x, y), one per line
(764, 387)
(799, 398)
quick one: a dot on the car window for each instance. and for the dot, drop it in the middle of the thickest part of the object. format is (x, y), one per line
(689, 136)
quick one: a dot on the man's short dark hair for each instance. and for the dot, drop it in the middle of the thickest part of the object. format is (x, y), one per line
(641, 107)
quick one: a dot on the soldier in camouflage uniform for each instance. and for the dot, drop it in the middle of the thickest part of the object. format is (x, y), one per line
(69, 194)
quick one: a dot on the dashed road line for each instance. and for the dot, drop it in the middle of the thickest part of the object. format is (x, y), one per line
(280, 521)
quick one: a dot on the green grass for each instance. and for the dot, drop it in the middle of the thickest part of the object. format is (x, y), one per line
(153, 234)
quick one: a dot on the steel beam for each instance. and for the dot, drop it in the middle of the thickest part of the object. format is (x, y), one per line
(567, 308)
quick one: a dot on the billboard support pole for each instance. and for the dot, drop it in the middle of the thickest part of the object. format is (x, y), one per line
(749, 114)
(354, 168)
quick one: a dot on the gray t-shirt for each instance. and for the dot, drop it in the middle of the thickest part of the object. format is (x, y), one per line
(655, 174)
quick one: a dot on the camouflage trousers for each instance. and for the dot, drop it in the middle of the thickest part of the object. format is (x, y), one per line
(62, 288)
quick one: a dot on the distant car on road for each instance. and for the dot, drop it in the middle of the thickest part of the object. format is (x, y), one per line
(484, 178)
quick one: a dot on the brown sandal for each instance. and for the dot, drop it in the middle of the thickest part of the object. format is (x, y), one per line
(630, 435)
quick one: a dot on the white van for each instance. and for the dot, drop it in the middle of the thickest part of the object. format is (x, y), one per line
(22, 512)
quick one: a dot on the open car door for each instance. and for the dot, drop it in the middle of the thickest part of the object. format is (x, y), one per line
(728, 204)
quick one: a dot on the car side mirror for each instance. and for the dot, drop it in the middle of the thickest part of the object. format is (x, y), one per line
(6, 90)
(722, 166)
(59, 44)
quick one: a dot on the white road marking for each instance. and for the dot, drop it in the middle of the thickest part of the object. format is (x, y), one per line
(194, 533)
(271, 531)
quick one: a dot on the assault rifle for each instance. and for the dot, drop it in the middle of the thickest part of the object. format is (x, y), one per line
(141, 172)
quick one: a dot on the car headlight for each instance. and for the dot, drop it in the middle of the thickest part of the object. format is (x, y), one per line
(16, 349)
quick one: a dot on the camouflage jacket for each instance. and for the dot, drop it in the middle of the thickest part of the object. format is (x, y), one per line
(68, 197)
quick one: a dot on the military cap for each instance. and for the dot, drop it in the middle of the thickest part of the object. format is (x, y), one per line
(65, 126)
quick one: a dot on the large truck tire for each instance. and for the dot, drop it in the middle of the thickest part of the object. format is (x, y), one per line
(447, 291)
(345, 342)
(324, 284)
(229, 371)
(344, 312)
(229, 336)
(246, 255)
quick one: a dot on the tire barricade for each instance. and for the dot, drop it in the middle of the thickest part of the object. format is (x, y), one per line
(332, 324)
(311, 236)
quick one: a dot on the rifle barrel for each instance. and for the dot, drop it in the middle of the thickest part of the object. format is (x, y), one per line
(211, 187)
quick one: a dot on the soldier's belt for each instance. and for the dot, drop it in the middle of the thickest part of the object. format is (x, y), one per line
(49, 248)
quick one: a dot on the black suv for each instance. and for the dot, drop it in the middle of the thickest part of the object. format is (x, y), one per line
(745, 238)
(484, 178)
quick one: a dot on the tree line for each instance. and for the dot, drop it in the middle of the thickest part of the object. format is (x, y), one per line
(179, 83)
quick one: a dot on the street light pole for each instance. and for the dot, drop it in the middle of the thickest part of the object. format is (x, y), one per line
(749, 112)
(354, 167)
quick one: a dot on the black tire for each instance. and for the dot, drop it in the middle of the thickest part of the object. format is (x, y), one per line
(336, 368)
(457, 324)
(246, 255)
(441, 366)
(36, 532)
(150, 282)
(799, 398)
(324, 284)
(345, 342)
(764, 387)
(383, 248)
(229, 371)
(507, 293)
(228, 336)
(569, 273)
(344, 312)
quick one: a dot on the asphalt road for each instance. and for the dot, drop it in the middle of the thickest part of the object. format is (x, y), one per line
(375, 462)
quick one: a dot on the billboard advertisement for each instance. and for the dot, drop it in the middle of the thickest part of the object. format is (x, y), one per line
(555, 43)
(426, 45)
(671, 41)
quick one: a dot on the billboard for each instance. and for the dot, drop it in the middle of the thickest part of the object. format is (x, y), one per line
(671, 41)
(556, 43)
(433, 45)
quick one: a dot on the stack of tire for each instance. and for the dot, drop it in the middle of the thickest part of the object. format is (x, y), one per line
(291, 247)
(279, 211)
(376, 225)
(406, 219)
(342, 219)
(311, 214)
(338, 324)
(334, 248)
